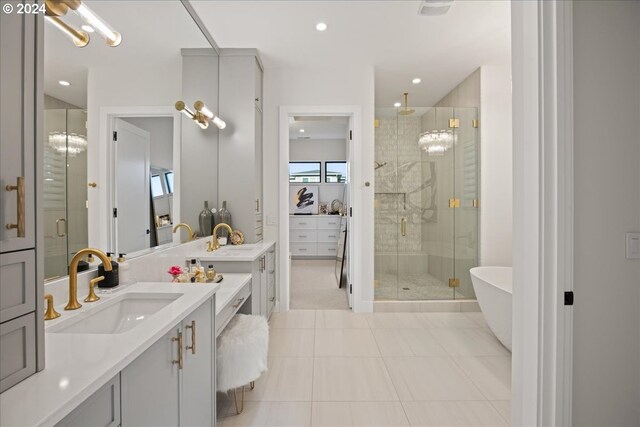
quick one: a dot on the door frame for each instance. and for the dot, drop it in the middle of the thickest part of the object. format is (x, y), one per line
(101, 205)
(542, 59)
(356, 242)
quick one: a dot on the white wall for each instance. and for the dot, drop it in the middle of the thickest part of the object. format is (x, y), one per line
(496, 171)
(606, 363)
(117, 86)
(340, 85)
(321, 150)
(161, 134)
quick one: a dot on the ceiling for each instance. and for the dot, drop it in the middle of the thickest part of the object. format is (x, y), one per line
(317, 128)
(390, 35)
(153, 32)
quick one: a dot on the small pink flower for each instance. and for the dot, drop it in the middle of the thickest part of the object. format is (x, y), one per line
(175, 270)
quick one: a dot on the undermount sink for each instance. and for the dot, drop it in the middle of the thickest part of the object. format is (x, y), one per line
(117, 315)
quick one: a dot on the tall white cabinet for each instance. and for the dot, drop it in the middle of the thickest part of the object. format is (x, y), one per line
(240, 143)
(21, 260)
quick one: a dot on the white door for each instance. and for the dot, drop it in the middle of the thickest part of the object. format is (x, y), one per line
(132, 192)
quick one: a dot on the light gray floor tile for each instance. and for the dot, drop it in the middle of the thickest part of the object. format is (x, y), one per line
(345, 343)
(407, 342)
(453, 414)
(469, 342)
(393, 321)
(491, 374)
(292, 319)
(504, 408)
(291, 342)
(430, 378)
(340, 319)
(270, 414)
(358, 414)
(446, 320)
(289, 379)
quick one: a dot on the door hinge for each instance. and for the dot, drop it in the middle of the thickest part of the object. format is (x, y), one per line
(454, 282)
(115, 212)
(350, 288)
(568, 298)
(476, 203)
(454, 123)
(454, 203)
(474, 123)
(350, 211)
(115, 136)
(350, 135)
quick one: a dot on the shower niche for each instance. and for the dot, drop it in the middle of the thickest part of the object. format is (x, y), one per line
(427, 169)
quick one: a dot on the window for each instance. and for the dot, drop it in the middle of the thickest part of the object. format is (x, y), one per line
(335, 172)
(156, 186)
(304, 172)
(168, 176)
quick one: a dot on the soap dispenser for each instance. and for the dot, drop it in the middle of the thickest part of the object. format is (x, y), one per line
(110, 277)
(124, 276)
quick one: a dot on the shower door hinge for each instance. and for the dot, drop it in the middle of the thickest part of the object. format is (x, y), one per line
(454, 203)
(474, 123)
(115, 136)
(350, 288)
(454, 282)
(350, 135)
(454, 123)
(476, 203)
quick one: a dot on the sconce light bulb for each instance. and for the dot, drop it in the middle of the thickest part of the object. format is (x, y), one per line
(112, 37)
(79, 37)
(219, 122)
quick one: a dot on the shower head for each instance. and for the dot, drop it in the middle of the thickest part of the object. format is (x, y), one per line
(406, 111)
(378, 165)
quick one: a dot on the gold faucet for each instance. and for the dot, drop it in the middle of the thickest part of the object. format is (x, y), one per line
(51, 312)
(73, 303)
(92, 297)
(214, 243)
(192, 235)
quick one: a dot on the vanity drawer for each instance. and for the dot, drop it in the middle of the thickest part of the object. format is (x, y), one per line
(328, 236)
(303, 249)
(102, 408)
(328, 249)
(329, 222)
(232, 307)
(303, 236)
(17, 350)
(18, 284)
(302, 223)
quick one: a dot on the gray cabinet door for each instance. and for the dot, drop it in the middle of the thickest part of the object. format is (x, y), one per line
(198, 400)
(17, 350)
(17, 128)
(18, 284)
(150, 386)
(101, 409)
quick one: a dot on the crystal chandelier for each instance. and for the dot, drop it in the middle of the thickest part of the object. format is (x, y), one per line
(70, 144)
(436, 142)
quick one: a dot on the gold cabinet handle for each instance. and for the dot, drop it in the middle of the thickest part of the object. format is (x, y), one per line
(58, 221)
(240, 300)
(257, 205)
(92, 184)
(403, 226)
(192, 347)
(20, 226)
(180, 361)
(51, 313)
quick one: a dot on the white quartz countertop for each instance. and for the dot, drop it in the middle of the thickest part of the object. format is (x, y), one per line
(78, 364)
(248, 252)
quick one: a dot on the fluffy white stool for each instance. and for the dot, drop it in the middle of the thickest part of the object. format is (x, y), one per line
(241, 354)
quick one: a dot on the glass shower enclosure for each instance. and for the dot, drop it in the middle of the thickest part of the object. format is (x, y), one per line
(427, 170)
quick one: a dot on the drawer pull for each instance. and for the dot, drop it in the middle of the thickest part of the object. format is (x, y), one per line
(180, 361)
(58, 221)
(192, 347)
(19, 188)
(302, 249)
(332, 235)
(240, 300)
(302, 236)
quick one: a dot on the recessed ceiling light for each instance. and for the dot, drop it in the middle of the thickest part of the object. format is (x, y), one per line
(397, 104)
(416, 81)
(301, 131)
(87, 28)
(321, 26)
(64, 83)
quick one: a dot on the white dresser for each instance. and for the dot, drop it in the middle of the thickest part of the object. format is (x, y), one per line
(314, 235)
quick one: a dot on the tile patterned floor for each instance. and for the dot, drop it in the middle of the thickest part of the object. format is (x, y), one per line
(314, 285)
(335, 368)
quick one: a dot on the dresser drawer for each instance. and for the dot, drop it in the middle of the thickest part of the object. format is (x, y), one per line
(17, 350)
(328, 236)
(303, 236)
(328, 249)
(303, 223)
(303, 249)
(232, 307)
(329, 222)
(18, 284)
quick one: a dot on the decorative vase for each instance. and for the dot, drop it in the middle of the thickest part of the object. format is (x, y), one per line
(206, 220)
(221, 216)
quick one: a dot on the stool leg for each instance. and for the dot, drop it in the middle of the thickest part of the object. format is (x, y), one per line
(252, 384)
(235, 400)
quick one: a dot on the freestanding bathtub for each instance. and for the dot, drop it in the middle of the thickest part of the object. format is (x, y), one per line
(494, 288)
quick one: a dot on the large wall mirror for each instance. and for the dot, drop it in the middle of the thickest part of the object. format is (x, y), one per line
(111, 135)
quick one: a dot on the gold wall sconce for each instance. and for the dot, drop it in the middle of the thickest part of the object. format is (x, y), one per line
(58, 8)
(202, 114)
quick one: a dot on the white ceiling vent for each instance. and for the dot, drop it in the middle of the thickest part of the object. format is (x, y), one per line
(434, 7)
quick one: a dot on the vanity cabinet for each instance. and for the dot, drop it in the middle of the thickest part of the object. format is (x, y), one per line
(271, 280)
(240, 143)
(21, 236)
(102, 408)
(172, 383)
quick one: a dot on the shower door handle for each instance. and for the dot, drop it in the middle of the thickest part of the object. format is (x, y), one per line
(403, 226)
